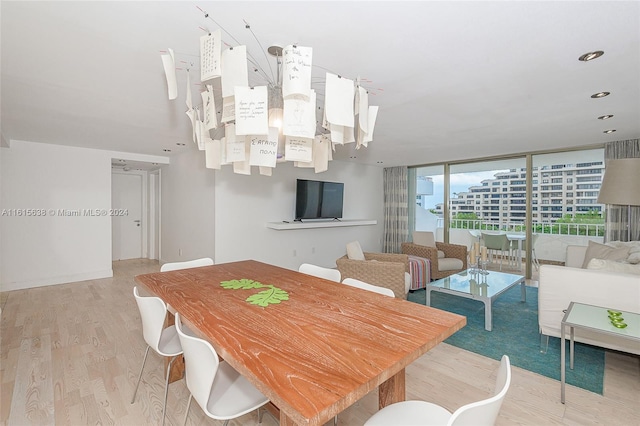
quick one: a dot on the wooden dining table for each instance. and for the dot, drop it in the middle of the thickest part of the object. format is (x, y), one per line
(312, 346)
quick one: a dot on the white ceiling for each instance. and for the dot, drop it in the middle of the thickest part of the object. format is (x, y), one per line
(453, 80)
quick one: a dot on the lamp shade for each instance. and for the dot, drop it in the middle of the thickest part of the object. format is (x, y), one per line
(621, 182)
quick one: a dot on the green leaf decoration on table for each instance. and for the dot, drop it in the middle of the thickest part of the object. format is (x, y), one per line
(243, 284)
(272, 295)
(266, 297)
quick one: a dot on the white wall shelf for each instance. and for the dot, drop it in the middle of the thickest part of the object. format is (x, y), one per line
(285, 226)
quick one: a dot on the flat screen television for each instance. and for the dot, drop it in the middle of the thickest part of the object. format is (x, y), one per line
(318, 200)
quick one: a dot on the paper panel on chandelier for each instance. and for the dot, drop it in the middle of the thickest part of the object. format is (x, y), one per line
(338, 100)
(235, 145)
(266, 171)
(321, 153)
(299, 117)
(191, 113)
(298, 149)
(228, 109)
(210, 48)
(252, 115)
(296, 71)
(213, 154)
(341, 134)
(264, 149)
(362, 108)
(169, 65)
(201, 133)
(210, 119)
(243, 167)
(373, 115)
(234, 69)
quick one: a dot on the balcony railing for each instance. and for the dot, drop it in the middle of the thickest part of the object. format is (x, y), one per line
(582, 229)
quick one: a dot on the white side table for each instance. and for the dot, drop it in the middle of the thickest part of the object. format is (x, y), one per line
(595, 319)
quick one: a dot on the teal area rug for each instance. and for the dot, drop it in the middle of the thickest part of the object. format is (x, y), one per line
(515, 333)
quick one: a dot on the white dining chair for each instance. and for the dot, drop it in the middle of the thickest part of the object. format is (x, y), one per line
(479, 413)
(498, 243)
(221, 392)
(164, 341)
(196, 263)
(370, 287)
(320, 272)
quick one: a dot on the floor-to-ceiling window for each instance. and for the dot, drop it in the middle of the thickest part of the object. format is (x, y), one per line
(554, 205)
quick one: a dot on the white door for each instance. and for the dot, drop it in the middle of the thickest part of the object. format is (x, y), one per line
(126, 222)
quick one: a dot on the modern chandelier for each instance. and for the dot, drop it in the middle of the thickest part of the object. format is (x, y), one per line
(259, 126)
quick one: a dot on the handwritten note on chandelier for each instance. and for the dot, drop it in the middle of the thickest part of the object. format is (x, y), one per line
(296, 71)
(251, 111)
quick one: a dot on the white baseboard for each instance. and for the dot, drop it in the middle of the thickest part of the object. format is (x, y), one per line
(64, 279)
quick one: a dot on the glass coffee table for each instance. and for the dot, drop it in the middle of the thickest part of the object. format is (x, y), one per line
(485, 287)
(596, 319)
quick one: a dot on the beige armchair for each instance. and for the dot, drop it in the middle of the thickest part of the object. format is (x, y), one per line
(381, 269)
(446, 259)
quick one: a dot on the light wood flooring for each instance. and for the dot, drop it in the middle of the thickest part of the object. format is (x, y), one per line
(70, 355)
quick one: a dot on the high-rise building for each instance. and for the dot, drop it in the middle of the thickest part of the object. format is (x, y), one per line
(558, 190)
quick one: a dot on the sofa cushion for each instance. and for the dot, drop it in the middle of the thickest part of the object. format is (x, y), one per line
(601, 251)
(440, 254)
(423, 238)
(449, 264)
(354, 251)
(634, 249)
(613, 266)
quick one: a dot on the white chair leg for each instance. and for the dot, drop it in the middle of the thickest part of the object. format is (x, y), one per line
(186, 413)
(166, 389)
(544, 343)
(144, 360)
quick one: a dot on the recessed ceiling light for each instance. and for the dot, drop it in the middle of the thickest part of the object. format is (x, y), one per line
(353, 156)
(600, 95)
(609, 131)
(605, 117)
(166, 150)
(591, 55)
(180, 143)
(379, 162)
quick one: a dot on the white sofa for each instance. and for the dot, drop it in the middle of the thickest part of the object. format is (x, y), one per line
(561, 285)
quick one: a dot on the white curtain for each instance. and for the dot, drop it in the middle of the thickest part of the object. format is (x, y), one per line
(396, 211)
(619, 216)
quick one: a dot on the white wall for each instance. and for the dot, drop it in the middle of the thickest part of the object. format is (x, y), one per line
(53, 249)
(188, 208)
(223, 215)
(244, 204)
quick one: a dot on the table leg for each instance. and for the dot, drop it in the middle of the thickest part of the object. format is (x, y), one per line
(487, 314)
(177, 369)
(286, 420)
(392, 390)
(428, 303)
(523, 291)
(562, 360)
(571, 340)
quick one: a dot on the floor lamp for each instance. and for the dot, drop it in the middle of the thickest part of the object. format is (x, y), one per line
(621, 185)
